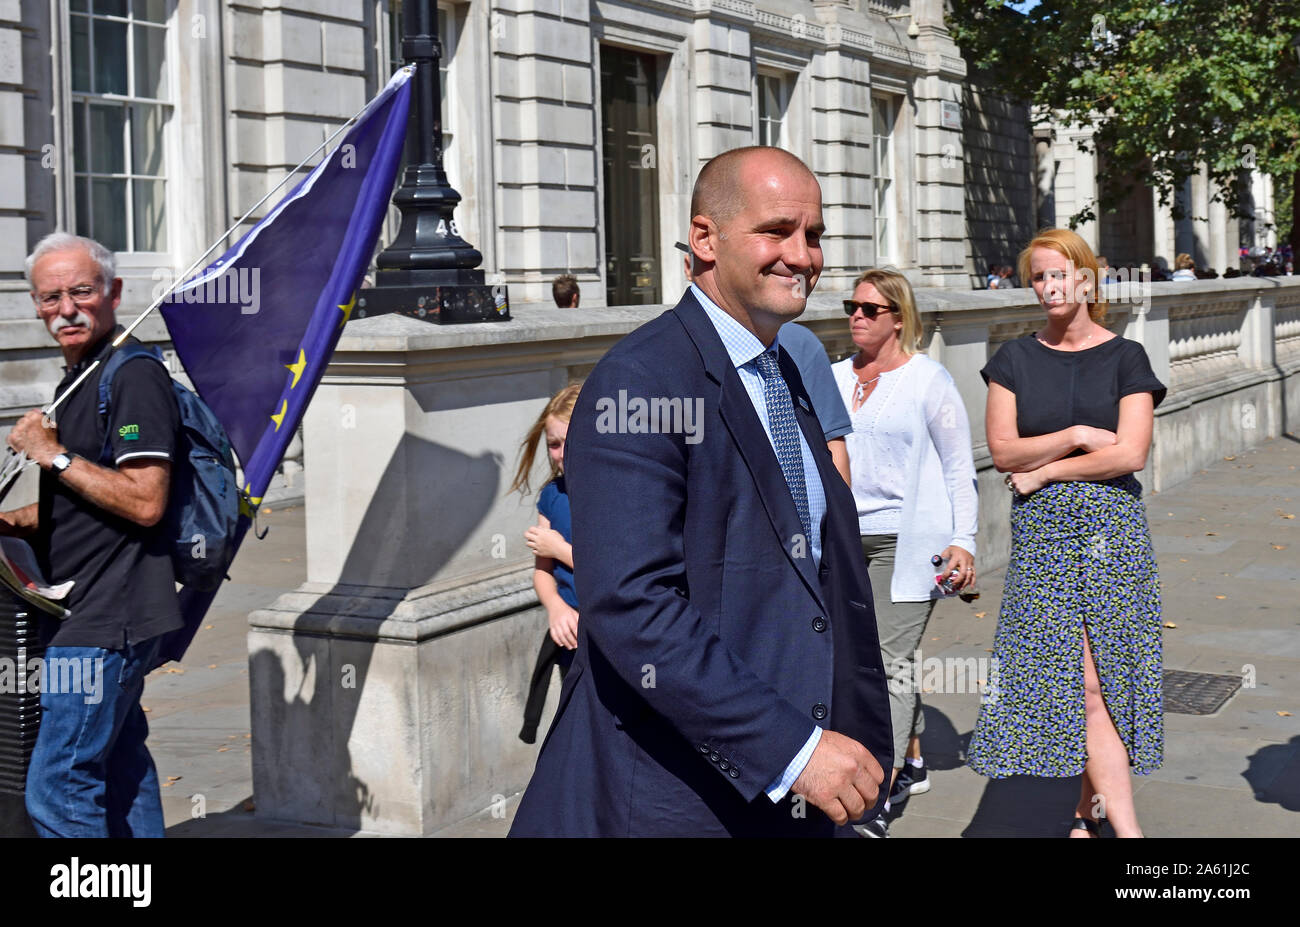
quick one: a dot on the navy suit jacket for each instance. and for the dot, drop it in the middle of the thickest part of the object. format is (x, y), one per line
(708, 642)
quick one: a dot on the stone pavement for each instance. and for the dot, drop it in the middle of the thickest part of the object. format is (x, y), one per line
(1226, 541)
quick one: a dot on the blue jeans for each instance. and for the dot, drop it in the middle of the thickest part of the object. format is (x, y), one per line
(90, 773)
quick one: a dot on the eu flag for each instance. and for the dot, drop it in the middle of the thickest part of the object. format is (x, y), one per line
(256, 327)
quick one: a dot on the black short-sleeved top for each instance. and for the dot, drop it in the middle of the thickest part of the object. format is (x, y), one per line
(1058, 389)
(125, 589)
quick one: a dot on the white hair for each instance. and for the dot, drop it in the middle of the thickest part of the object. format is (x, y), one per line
(65, 241)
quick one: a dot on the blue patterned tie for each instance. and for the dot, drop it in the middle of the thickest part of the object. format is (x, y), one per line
(785, 434)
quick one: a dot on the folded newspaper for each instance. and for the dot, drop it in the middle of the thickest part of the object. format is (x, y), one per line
(20, 572)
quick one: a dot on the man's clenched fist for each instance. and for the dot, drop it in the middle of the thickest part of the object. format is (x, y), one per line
(842, 778)
(37, 436)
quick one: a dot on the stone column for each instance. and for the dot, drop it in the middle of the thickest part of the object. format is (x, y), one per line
(1162, 234)
(1202, 241)
(842, 158)
(545, 85)
(940, 204)
(1262, 233)
(723, 97)
(1184, 232)
(1085, 189)
(27, 151)
(1223, 235)
(1045, 176)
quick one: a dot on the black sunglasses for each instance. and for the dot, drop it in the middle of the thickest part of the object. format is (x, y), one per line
(869, 310)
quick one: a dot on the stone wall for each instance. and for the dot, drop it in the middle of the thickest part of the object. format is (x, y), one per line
(257, 85)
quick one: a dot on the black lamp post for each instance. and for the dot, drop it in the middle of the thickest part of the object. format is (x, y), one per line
(429, 272)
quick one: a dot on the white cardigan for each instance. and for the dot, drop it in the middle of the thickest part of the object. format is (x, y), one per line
(940, 456)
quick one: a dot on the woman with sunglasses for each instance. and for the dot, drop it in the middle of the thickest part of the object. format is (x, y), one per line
(1070, 414)
(913, 479)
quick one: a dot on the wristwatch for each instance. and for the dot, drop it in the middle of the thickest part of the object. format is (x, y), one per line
(60, 463)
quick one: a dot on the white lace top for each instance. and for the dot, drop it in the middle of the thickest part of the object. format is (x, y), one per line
(910, 438)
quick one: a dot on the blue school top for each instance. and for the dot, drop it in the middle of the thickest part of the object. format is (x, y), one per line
(554, 504)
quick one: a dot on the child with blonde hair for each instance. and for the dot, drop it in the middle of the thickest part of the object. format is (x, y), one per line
(550, 540)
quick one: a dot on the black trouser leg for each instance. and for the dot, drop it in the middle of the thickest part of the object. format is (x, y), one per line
(550, 654)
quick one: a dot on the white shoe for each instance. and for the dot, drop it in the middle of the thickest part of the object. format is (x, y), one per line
(874, 828)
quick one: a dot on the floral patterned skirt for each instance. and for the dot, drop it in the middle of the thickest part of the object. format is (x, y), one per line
(1080, 556)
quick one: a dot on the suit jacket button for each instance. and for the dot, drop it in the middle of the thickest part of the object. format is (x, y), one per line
(714, 757)
(724, 765)
(734, 773)
(819, 624)
(819, 712)
(704, 748)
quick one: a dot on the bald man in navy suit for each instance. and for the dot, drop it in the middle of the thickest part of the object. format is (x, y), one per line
(728, 678)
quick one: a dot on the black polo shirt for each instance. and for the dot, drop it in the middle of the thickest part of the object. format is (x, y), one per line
(125, 589)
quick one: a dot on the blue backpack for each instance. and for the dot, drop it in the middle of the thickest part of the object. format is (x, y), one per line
(203, 505)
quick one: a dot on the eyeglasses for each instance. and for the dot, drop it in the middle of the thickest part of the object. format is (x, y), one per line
(81, 295)
(869, 310)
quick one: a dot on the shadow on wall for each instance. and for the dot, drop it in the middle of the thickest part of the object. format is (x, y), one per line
(331, 674)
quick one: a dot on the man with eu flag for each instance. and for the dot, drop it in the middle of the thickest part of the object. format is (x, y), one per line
(97, 522)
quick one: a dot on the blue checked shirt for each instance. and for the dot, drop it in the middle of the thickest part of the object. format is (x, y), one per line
(743, 347)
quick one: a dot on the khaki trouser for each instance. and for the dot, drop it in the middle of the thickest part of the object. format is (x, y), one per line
(901, 626)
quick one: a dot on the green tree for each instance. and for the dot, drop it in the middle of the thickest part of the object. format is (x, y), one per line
(1168, 84)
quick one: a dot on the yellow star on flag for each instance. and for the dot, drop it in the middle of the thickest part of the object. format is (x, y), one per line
(347, 310)
(298, 367)
(278, 417)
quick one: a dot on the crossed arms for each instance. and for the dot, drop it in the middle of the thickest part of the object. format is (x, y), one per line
(1035, 462)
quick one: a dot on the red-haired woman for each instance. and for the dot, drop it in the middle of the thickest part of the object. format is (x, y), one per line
(1070, 415)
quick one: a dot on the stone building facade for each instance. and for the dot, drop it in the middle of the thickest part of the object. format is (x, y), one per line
(574, 128)
(573, 131)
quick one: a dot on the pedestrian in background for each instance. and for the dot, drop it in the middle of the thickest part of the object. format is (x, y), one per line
(913, 480)
(1184, 268)
(1078, 642)
(565, 292)
(551, 541)
(105, 481)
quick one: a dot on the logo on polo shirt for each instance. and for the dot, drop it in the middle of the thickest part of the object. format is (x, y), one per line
(129, 432)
